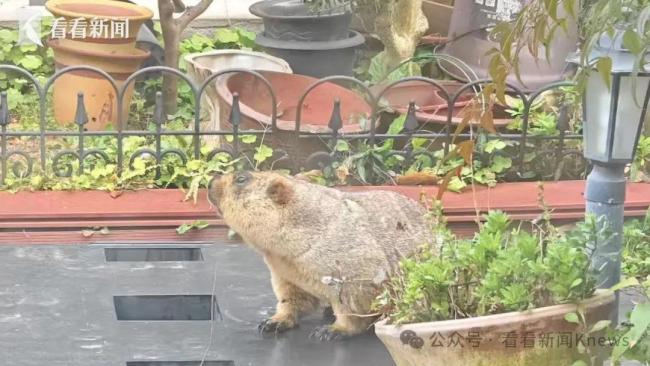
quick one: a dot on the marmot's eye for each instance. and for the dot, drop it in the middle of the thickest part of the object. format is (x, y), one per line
(240, 179)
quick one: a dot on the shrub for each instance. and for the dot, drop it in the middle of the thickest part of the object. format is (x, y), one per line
(501, 269)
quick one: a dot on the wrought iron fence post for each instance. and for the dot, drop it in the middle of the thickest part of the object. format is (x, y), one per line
(4, 121)
(335, 123)
(159, 118)
(410, 127)
(81, 118)
(235, 120)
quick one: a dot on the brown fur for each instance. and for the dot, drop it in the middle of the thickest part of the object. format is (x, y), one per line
(320, 244)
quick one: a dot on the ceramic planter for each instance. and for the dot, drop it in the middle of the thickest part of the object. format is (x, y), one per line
(316, 44)
(473, 19)
(255, 107)
(293, 20)
(201, 66)
(109, 12)
(100, 99)
(433, 108)
(537, 337)
(316, 59)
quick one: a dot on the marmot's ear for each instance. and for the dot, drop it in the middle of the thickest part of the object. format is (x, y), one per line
(280, 191)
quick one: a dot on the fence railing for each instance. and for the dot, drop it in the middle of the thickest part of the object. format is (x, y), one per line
(533, 155)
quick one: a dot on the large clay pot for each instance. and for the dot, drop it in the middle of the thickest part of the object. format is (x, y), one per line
(100, 10)
(513, 339)
(255, 107)
(100, 99)
(432, 107)
(200, 66)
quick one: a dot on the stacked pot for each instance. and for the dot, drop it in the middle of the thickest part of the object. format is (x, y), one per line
(101, 34)
(314, 43)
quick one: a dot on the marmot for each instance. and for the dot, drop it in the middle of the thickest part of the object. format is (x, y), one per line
(321, 245)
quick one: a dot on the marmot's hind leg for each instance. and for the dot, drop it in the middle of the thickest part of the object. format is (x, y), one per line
(292, 303)
(346, 325)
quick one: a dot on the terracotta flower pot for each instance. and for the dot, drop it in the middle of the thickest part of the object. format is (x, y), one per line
(255, 106)
(532, 338)
(100, 99)
(106, 11)
(433, 107)
(201, 66)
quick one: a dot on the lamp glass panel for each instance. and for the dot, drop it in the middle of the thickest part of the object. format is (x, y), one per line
(597, 110)
(628, 115)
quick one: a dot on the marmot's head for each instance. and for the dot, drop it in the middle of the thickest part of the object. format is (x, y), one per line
(248, 200)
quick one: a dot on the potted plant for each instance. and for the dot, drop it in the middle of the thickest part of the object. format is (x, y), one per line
(508, 296)
(314, 35)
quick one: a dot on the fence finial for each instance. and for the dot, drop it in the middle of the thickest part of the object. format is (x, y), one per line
(235, 113)
(336, 122)
(4, 109)
(80, 117)
(411, 122)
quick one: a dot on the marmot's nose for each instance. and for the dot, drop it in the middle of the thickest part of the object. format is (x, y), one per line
(215, 189)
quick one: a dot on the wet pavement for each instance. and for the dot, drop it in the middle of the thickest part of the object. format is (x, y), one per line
(58, 308)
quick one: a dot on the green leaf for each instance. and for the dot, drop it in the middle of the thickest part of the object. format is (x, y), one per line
(579, 363)
(640, 319)
(500, 164)
(194, 165)
(576, 283)
(632, 41)
(262, 153)
(248, 139)
(493, 145)
(342, 146)
(225, 35)
(31, 62)
(572, 318)
(604, 67)
(600, 325)
(7, 36)
(628, 282)
(456, 184)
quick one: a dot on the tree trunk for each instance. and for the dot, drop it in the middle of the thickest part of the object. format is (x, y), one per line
(170, 82)
(172, 30)
(400, 27)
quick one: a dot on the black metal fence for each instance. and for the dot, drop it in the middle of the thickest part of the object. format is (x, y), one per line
(554, 156)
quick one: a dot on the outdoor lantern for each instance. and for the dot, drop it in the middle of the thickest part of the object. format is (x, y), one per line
(614, 116)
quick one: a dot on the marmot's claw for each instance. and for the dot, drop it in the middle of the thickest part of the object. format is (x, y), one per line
(326, 333)
(328, 315)
(271, 326)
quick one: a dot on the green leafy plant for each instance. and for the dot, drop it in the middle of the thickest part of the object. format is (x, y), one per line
(636, 248)
(635, 332)
(640, 168)
(503, 268)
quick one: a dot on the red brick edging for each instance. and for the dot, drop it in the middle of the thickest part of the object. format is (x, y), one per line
(153, 215)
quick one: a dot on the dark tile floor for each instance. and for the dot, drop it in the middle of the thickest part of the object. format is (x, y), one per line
(57, 309)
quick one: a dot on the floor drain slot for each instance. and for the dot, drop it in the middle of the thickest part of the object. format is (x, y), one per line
(180, 363)
(153, 254)
(165, 307)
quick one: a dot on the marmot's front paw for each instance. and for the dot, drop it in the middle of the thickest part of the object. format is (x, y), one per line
(275, 326)
(327, 333)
